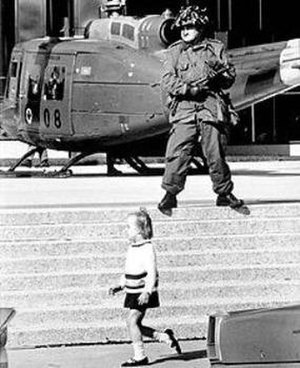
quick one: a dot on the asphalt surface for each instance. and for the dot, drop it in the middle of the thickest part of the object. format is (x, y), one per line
(108, 356)
(255, 182)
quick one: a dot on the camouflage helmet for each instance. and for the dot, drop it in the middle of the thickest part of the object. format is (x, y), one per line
(112, 5)
(192, 15)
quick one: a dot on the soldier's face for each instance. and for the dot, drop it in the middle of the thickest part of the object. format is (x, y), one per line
(189, 33)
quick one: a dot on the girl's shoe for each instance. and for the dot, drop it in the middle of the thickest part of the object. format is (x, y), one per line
(175, 343)
(135, 363)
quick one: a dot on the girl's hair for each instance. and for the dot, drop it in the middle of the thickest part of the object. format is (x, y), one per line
(144, 222)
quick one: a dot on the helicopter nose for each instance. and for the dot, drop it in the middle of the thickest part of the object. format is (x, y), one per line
(290, 63)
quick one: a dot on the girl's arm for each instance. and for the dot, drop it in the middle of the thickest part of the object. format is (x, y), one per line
(151, 268)
(115, 289)
(150, 280)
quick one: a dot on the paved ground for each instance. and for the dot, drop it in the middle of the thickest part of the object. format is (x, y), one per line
(107, 356)
(111, 356)
(256, 182)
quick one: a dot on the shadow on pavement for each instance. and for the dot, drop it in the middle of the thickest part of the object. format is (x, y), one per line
(243, 210)
(50, 173)
(271, 201)
(256, 202)
(190, 355)
(266, 173)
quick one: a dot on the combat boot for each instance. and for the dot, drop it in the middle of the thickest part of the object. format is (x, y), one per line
(44, 163)
(229, 200)
(168, 202)
(27, 163)
(113, 172)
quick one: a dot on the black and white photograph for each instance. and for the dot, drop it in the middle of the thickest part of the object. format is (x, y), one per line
(149, 184)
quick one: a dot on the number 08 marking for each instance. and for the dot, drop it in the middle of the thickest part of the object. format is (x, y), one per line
(57, 121)
(56, 118)
(47, 118)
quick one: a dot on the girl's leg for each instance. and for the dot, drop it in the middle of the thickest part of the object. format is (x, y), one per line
(167, 336)
(134, 322)
(145, 331)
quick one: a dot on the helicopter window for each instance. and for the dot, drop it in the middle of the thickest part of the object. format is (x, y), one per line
(115, 28)
(128, 32)
(33, 88)
(54, 84)
(11, 85)
(13, 70)
(19, 78)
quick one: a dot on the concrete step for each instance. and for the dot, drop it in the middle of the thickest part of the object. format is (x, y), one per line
(92, 263)
(57, 264)
(89, 325)
(101, 332)
(67, 297)
(116, 312)
(176, 228)
(236, 242)
(95, 215)
(186, 274)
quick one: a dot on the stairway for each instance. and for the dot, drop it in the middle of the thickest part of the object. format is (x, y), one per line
(57, 264)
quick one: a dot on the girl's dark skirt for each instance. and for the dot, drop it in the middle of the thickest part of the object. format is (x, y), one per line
(131, 301)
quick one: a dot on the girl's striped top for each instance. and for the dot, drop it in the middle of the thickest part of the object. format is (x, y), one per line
(141, 273)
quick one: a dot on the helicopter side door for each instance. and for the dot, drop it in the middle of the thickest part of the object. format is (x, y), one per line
(14, 77)
(10, 115)
(56, 97)
(31, 83)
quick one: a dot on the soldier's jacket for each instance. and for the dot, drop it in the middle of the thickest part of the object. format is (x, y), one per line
(185, 65)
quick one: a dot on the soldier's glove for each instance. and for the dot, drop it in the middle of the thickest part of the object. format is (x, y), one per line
(215, 68)
(221, 76)
(195, 91)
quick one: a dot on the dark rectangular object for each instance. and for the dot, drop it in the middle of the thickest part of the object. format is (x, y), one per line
(261, 336)
(6, 314)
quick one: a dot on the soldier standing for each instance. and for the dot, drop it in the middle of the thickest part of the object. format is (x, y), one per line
(195, 72)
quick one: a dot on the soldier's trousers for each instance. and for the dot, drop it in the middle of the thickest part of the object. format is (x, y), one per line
(183, 139)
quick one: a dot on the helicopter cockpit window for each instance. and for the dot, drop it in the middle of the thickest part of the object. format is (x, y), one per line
(33, 88)
(11, 85)
(115, 28)
(13, 69)
(54, 83)
(128, 32)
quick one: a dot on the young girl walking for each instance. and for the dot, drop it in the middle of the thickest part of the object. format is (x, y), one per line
(140, 282)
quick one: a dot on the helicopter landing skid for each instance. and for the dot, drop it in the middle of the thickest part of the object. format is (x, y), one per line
(64, 172)
(35, 174)
(137, 164)
(23, 158)
(59, 174)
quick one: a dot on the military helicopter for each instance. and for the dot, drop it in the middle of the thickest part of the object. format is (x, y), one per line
(101, 92)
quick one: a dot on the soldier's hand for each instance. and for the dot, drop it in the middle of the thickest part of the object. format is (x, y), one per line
(194, 91)
(212, 74)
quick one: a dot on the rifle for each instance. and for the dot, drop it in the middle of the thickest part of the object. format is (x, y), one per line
(202, 82)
